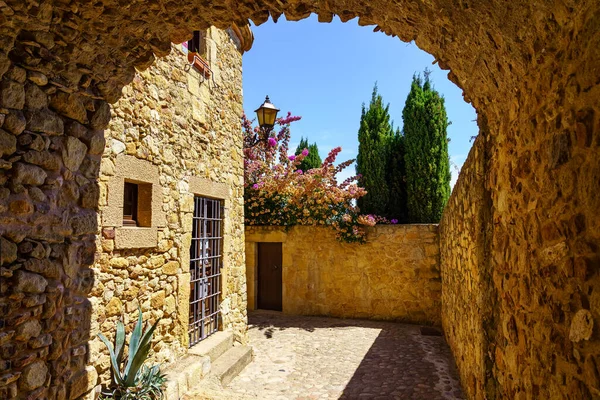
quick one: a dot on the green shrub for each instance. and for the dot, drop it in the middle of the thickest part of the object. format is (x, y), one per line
(131, 379)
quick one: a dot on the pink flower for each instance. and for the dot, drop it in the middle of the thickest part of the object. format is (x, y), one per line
(305, 152)
(292, 158)
(255, 186)
(272, 142)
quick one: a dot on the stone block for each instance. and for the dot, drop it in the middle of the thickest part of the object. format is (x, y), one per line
(69, 105)
(37, 77)
(157, 300)
(29, 283)
(27, 330)
(171, 268)
(8, 251)
(44, 121)
(8, 143)
(73, 153)
(135, 238)
(114, 307)
(12, 94)
(33, 376)
(35, 98)
(83, 382)
(582, 326)
(14, 122)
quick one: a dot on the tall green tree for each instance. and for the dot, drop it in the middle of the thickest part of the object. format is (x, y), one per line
(313, 160)
(396, 178)
(427, 160)
(374, 134)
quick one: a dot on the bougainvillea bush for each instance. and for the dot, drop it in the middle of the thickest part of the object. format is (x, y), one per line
(277, 192)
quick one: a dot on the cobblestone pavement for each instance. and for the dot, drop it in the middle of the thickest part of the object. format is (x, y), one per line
(325, 358)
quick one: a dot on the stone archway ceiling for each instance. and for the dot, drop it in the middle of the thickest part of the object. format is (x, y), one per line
(94, 46)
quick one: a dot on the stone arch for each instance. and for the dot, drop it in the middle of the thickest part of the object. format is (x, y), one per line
(530, 70)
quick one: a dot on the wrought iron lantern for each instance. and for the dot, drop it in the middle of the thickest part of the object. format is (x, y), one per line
(267, 114)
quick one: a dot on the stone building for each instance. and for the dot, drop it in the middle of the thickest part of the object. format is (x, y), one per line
(169, 195)
(171, 200)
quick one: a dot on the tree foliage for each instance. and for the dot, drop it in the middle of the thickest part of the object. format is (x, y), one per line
(427, 161)
(374, 134)
(313, 160)
(380, 162)
(396, 178)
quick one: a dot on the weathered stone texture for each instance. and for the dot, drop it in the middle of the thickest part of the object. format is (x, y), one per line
(466, 278)
(529, 68)
(394, 276)
(155, 136)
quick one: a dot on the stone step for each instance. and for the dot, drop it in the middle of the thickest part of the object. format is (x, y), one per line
(185, 374)
(231, 363)
(213, 346)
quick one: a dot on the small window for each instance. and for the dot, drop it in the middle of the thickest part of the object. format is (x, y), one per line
(130, 203)
(137, 204)
(198, 43)
(197, 53)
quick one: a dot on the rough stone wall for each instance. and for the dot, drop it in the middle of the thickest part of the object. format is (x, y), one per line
(394, 276)
(520, 258)
(189, 131)
(544, 180)
(466, 278)
(51, 143)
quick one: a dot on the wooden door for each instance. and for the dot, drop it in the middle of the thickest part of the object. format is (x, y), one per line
(270, 261)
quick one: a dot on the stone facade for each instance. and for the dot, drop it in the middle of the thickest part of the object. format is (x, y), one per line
(394, 276)
(529, 68)
(182, 137)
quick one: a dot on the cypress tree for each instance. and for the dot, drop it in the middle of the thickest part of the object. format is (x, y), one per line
(373, 137)
(395, 178)
(312, 160)
(427, 160)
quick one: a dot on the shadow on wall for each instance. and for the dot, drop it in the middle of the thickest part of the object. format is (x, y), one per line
(51, 144)
(48, 223)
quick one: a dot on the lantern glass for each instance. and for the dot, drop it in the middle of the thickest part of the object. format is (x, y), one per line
(267, 114)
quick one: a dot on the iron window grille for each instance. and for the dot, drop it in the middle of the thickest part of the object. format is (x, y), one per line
(205, 269)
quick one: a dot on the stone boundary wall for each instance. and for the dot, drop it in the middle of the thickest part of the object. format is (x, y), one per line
(394, 276)
(466, 287)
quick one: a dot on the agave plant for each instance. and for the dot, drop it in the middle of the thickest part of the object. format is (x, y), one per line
(133, 380)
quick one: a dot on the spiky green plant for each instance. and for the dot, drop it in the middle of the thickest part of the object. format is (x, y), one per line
(133, 380)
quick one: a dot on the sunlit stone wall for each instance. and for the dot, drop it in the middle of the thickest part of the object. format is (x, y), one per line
(393, 276)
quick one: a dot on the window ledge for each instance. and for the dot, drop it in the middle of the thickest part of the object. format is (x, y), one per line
(135, 237)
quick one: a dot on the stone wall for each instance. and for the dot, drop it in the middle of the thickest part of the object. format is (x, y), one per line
(69, 270)
(520, 259)
(51, 144)
(467, 289)
(394, 276)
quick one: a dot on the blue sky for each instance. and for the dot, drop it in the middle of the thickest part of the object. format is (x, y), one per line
(324, 72)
